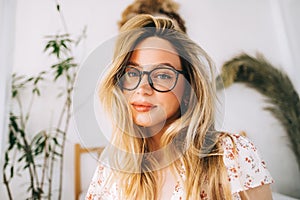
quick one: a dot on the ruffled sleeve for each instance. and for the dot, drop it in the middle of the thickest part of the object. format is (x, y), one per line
(98, 189)
(245, 167)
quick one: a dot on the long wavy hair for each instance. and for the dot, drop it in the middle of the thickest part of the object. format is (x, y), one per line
(192, 134)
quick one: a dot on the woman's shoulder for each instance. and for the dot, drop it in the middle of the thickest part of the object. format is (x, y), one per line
(245, 166)
(237, 143)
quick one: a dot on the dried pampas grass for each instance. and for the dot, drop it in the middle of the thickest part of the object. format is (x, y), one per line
(281, 96)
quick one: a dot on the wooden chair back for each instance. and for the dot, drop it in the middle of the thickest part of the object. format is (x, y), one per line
(78, 152)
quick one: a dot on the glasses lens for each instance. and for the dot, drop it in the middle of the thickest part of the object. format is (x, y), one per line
(131, 78)
(163, 79)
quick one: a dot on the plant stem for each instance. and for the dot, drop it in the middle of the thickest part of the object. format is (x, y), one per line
(52, 159)
(26, 146)
(45, 162)
(62, 154)
(21, 113)
(29, 109)
(6, 183)
(69, 93)
(61, 16)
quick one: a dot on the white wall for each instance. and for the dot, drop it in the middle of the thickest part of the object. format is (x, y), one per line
(223, 28)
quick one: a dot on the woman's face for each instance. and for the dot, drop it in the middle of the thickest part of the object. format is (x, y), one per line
(150, 108)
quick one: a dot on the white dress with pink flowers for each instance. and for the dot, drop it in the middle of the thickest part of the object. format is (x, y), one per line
(246, 171)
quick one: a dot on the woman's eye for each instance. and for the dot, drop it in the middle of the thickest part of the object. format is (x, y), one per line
(132, 74)
(163, 76)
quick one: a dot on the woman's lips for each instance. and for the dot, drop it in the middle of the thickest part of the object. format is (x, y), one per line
(143, 107)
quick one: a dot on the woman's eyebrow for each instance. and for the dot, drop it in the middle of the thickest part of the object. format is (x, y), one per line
(154, 65)
(167, 64)
(133, 63)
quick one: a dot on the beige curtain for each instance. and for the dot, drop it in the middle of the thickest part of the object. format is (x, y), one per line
(7, 29)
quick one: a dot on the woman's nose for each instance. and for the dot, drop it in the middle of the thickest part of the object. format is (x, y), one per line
(144, 86)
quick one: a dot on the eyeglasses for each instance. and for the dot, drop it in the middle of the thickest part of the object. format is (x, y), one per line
(162, 78)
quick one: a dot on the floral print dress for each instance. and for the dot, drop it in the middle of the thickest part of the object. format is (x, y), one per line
(246, 170)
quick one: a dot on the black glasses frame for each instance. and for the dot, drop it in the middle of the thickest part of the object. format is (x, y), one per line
(141, 74)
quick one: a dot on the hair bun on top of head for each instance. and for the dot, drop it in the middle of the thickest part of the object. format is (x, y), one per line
(167, 8)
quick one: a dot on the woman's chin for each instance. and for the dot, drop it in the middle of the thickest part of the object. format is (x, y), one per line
(144, 123)
(151, 127)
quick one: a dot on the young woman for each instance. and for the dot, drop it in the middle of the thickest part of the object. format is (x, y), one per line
(160, 95)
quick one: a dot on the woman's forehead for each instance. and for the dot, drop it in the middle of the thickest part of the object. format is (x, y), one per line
(156, 43)
(152, 56)
(153, 51)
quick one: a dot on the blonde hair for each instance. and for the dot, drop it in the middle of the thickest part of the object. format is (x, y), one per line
(202, 157)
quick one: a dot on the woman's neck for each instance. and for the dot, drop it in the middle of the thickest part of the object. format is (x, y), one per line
(155, 140)
(155, 132)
